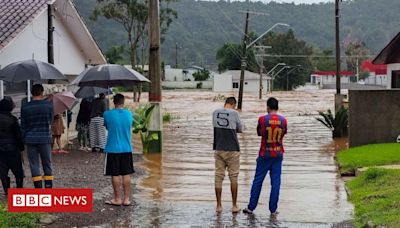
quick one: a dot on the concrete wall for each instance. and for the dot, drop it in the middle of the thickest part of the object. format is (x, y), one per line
(374, 116)
(187, 85)
(172, 74)
(251, 85)
(380, 79)
(223, 83)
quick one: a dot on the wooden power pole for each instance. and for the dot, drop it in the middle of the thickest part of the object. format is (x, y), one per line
(337, 15)
(155, 96)
(244, 59)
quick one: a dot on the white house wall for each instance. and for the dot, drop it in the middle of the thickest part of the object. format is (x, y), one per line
(223, 83)
(68, 57)
(252, 85)
(390, 69)
(32, 42)
(172, 74)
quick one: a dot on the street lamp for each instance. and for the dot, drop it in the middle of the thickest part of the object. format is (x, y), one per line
(273, 68)
(287, 75)
(244, 56)
(277, 73)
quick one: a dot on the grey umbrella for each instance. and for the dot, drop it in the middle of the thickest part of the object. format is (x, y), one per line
(30, 70)
(91, 91)
(109, 75)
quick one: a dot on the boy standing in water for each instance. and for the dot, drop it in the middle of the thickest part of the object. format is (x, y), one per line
(226, 124)
(272, 128)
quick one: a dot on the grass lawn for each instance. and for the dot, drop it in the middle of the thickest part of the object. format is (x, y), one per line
(376, 197)
(367, 156)
(8, 219)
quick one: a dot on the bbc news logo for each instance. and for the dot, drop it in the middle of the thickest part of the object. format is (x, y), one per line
(50, 200)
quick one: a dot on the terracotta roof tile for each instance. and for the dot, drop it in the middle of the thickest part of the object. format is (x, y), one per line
(15, 15)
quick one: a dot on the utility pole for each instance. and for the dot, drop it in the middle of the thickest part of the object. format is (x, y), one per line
(155, 76)
(261, 55)
(244, 58)
(338, 97)
(50, 41)
(337, 15)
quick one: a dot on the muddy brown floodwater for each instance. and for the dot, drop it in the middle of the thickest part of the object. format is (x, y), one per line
(178, 188)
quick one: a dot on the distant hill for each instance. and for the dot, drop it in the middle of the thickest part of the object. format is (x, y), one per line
(204, 26)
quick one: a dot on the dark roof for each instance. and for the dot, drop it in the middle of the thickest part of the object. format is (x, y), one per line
(389, 54)
(15, 16)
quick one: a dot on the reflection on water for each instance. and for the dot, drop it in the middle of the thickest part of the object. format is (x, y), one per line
(179, 187)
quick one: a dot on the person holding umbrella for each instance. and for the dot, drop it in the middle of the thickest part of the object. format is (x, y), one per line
(11, 145)
(36, 120)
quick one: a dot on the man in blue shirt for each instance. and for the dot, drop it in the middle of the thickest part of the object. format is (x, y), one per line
(36, 120)
(118, 150)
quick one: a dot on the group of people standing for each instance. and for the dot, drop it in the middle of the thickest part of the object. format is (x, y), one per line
(272, 127)
(39, 128)
(90, 124)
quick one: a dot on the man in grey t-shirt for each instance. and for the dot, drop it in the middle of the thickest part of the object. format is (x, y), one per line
(227, 124)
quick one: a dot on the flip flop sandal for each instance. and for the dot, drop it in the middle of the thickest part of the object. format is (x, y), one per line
(109, 202)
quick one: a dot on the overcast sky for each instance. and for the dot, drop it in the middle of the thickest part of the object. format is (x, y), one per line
(300, 1)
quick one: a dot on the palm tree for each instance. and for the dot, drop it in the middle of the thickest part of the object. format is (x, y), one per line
(338, 124)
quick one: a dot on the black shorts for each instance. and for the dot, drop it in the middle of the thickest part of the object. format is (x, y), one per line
(118, 164)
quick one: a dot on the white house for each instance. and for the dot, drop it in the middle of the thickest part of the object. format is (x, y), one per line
(377, 73)
(390, 55)
(24, 30)
(322, 78)
(229, 81)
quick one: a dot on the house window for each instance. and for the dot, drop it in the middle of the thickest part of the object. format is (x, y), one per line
(235, 85)
(245, 83)
(396, 79)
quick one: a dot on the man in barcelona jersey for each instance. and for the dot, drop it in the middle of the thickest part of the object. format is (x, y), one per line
(272, 128)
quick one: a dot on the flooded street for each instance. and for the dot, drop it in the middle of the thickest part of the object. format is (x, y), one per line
(178, 190)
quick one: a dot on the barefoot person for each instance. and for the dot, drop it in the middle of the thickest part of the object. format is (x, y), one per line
(119, 163)
(226, 124)
(272, 128)
(57, 129)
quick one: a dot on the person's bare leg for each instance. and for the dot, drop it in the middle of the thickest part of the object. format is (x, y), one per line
(234, 191)
(116, 183)
(127, 189)
(218, 194)
(58, 138)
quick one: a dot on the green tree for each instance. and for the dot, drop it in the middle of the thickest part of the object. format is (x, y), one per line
(115, 55)
(201, 75)
(325, 61)
(356, 51)
(229, 58)
(133, 16)
(287, 44)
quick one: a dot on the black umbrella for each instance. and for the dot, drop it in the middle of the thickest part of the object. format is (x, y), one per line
(30, 70)
(109, 75)
(91, 91)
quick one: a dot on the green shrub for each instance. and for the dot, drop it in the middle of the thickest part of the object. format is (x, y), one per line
(338, 124)
(141, 122)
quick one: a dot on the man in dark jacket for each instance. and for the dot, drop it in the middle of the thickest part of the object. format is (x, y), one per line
(11, 145)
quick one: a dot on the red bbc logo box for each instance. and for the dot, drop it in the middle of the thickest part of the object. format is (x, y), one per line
(50, 200)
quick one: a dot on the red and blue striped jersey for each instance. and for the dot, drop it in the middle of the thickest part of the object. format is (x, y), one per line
(272, 128)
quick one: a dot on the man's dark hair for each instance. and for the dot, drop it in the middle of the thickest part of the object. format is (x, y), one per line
(272, 103)
(230, 100)
(7, 104)
(102, 96)
(37, 90)
(119, 99)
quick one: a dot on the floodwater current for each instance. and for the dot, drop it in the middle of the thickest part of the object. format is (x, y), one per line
(178, 188)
